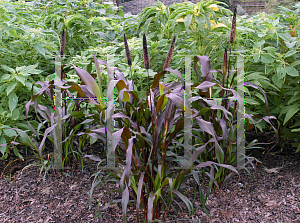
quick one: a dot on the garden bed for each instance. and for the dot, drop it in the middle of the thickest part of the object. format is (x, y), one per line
(273, 195)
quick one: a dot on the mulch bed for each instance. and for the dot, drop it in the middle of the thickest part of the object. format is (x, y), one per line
(273, 194)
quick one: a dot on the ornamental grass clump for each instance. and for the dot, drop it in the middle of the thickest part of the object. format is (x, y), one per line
(149, 129)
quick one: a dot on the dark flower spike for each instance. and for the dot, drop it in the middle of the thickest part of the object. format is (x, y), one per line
(127, 52)
(170, 53)
(62, 51)
(233, 27)
(145, 52)
(63, 43)
(225, 63)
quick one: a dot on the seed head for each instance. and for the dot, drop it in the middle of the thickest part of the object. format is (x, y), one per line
(63, 43)
(233, 27)
(170, 53)
(127, 52)
(145, 52)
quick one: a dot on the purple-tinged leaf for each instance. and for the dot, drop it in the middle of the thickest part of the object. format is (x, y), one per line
(124, 133)
(128, 159)
(140, 187)
(206, 126)
(125, 199)
(176, 99)
(121, 115)
(120, 76)
(205, 67)
(44, 138)
(100, 131)
(88, 80)
(150, 206)
(151, 103)
(187, 202)
(225, 131)
(205, 84)
(110, 89)
(215, 107)
(178, 128)
(199, 150)
(109, 70)
(177, 72)
(92, 157)
(156, 79)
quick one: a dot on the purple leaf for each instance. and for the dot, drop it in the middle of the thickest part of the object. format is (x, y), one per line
(150, 206)
(92, 157)
(125, 199)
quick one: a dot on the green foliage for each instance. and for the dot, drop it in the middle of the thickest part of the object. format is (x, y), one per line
(272, 62)
(205, 23)
(28, 33)
(16, 85)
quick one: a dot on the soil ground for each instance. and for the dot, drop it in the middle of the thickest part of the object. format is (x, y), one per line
(273, 194)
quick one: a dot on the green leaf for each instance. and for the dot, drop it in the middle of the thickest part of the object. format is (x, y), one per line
(251, 101)
(291, 111)
(2, 87)
(290, 53)
(15, 114)
(266, 58)
(13, 33)
(298, 149)
(294, 98)
(9, 132)
(280, 72)
(290, 45)
(2, 148)
(6, 76)
(8, 69)
(256, 57)
(12, 101)
(295, 130)
(16, 152)
(11, 87)
(29, 69)
(21, 79)
(38, 48)
(187, 21)
(26, 138)
(260, 43)
(277, 80)
(291, 71)
(295, 63)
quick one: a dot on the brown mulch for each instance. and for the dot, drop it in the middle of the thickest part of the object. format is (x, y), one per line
(273, 195)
